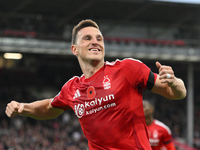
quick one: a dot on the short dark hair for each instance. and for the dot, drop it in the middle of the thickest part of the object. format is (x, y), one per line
(82, 24)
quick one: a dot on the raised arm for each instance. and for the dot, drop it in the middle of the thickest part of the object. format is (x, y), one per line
(167, 84)
(40, 110)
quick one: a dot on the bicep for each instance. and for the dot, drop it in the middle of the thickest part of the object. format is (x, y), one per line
(54, 112)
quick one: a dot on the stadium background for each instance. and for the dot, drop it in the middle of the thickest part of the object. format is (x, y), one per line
(141, 29)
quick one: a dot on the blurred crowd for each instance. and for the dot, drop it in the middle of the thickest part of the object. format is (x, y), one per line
(23, 133)
(35, 28)
(64, 132)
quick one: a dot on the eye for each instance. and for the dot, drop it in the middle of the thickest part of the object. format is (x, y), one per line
(87, 37)
(99, 38)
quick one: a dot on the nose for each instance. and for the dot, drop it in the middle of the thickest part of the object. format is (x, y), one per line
(94, 41)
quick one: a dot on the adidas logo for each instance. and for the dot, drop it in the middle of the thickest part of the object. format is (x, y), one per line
(77, 94)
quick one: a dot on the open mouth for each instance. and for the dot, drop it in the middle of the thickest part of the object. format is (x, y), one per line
(94, 49)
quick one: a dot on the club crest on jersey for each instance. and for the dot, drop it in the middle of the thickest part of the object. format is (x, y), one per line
(106, 83)
(91, 93)
(155, 134)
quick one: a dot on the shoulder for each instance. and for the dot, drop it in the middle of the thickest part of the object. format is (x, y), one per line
(71, 81)
(126, 62)
(162, 125)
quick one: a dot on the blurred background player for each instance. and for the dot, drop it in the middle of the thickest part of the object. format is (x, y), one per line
(159, 134)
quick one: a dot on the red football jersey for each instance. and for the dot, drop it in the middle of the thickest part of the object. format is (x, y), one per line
(109, 105)
(159, 135)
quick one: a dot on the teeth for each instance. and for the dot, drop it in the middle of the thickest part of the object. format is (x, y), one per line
(94, 49)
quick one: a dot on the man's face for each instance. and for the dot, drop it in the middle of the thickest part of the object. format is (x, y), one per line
(89, 45)
(148, 110)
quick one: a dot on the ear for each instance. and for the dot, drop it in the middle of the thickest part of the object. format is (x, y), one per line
(74, 50)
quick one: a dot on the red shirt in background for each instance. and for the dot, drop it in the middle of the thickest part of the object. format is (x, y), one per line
(160, 136)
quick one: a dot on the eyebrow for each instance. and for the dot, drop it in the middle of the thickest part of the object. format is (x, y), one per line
(99, 35)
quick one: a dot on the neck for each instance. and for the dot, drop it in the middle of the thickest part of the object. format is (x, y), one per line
(90, 69)
(149, 120)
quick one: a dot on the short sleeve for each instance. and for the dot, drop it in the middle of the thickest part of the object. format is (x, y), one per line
(62, 99)
(138, 74)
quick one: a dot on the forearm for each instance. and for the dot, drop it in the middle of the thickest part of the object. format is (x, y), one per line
(178, 90)
(167, 84)
(40, 110)
(174, 91)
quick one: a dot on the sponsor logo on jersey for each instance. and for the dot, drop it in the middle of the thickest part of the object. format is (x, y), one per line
(154, 141)
(94, 106)
(79, 110)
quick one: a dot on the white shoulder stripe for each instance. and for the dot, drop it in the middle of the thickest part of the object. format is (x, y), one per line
(133, 59)
(113, 63)
(163, 125)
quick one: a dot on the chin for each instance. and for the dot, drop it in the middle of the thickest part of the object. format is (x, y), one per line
(97, 58)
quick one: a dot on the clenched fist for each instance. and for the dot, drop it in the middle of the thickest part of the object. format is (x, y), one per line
(14, 108)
